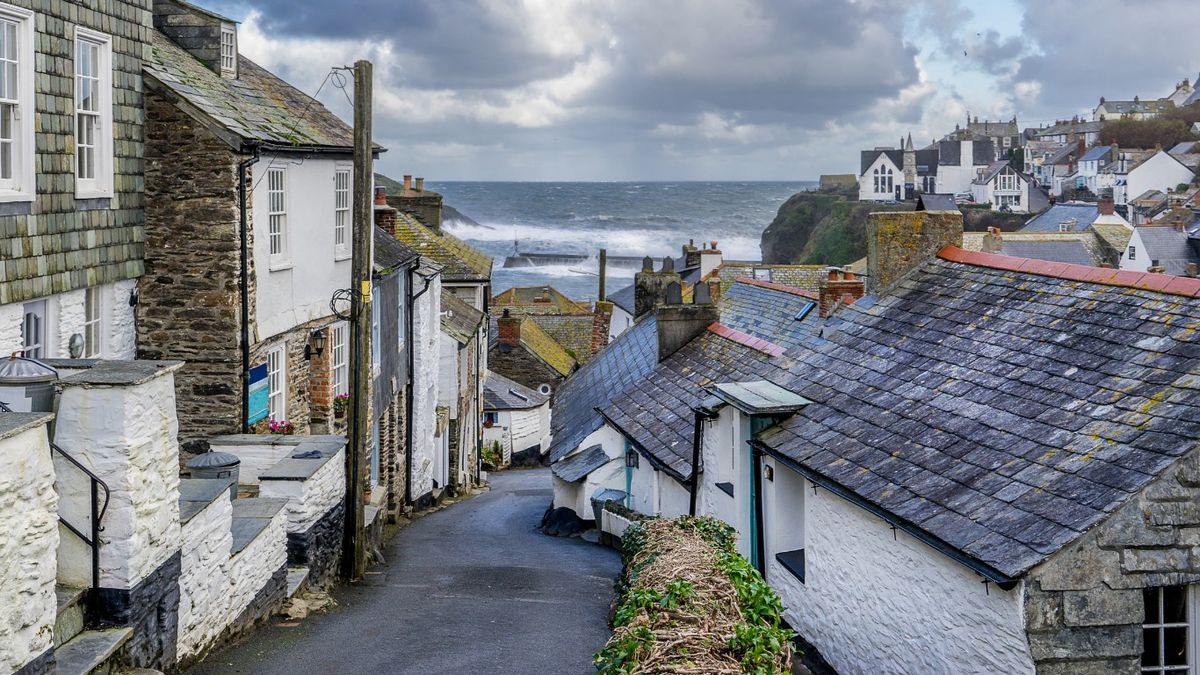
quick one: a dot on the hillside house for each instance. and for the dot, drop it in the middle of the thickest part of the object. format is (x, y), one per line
(1007, 189)
(71, 203)
(1139, 173)
(521, 350)
(1137, 109)
(1162, 247)
(959, 163)
(1005, 136)
(580, 330)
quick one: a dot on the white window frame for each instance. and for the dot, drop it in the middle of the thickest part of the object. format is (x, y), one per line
(1132, 253)
(94, 323)
(1192, 603)
(1006, 182)
(339, 358)
(343, 199)
(39, 348)
(376, 332)
(100, 184)
(229, 56)
(19, 187)
(277, 217)
(277, 383)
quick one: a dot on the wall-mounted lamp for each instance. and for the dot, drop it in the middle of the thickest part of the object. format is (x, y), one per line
(768, 472)
(316, 344)
(631, 458)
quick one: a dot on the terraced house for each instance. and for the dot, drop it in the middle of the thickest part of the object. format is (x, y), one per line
(71, 204)
(248, 232)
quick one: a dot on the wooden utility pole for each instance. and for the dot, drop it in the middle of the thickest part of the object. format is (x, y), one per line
(354, 551)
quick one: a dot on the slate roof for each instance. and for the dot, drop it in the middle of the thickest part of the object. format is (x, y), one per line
(605, 377)
(1067, 127)
(538, 300)
(1098, 153)
(1168, 246)
(987, 128)
(576, 467)
(1115, 236)
(459, 320)
(999, 412)
(256, 106)
(501, 393)
(625, 298)
(390, 253)
(936, 202)
(459, 260)
(1078, 216)
(769, 314)
(868, 157)
(1073, 252)
(1139, 106)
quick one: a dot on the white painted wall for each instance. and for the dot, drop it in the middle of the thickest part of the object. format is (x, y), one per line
(578, 496)
(866, 182)
(426, 355)
(300, 291)
(29, 512)
(253, 567)
(472, 293)
(448, 375)
(65, 317)
(204, 576)
(621, 321)
(309, 500)
(877, 603)
(1161, 172)
(726, 460)
(127, 435)
(953, 179)
(657, 493)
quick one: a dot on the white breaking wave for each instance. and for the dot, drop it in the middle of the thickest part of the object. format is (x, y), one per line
(625, 242)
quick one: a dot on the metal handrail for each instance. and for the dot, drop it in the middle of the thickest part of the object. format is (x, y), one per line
(95, 484)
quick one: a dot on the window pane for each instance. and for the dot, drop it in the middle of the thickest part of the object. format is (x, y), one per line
(1150, 656)
(1175, 646)
(1174, 599)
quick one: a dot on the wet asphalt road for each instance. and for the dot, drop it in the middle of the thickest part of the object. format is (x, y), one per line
(473, 588)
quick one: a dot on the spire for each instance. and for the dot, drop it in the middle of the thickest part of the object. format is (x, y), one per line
(908, 144)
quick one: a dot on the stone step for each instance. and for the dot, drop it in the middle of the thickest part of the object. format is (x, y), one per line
(296, 576)
(90, 652)
(69, 620)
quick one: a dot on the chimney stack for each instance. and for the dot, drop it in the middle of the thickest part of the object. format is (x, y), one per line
(380, 195)
(651, 287)
(841, 287)
(420, 184)
(992, 241)
(710, 259)
(691, 255)
(898, 242)
(678, 324)
(508, 330)
(1155, 267)
(407, 181)
(602, 264)
(1192, 269)
(384, 215)
(1106, 206)
(601, 323)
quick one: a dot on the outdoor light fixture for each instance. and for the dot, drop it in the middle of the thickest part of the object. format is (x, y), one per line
(631, 458)
(316, 344)
(768, 472)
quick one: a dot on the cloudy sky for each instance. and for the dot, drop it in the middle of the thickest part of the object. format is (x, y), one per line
(707, 89)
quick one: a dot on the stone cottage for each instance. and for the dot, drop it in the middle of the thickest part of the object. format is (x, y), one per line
(521, 350)
(71, 203)
(580, 329)
(248, 234)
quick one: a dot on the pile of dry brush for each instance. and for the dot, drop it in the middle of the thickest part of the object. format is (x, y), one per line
(690, 604)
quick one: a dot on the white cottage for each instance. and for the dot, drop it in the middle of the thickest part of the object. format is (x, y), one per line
(1007, 189)
(516, 421)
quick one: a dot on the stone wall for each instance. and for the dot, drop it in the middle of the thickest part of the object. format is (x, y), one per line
(57, 243)
(189, 305)
(196, 31)
(900, 241)
(302, 387)
(28, 510)
(393, 451)
(255, 568)
(151, 609)
(319, 548)
(203, 584)
(1084, 608)
(521, 366)
(310, 499)
(426, 334)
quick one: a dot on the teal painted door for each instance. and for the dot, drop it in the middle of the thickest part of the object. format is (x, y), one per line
(757, 424)
(628, 476)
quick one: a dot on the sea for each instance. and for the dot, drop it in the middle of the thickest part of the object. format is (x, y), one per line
(634, 219)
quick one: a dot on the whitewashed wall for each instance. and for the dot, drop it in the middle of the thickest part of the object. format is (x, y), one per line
(300, 293)
(874, 602)
(127, 435)
(65, 317)
(621, 321)
(309, 500)
(426, 335)
(204, 576)
(29, 513)
(866, 182)
(253, 567)
(1160, 172)
(448, 373)
(726, 460)
(957, 178)
(578, 496)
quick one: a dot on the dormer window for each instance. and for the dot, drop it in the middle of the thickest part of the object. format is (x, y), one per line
(228, 51)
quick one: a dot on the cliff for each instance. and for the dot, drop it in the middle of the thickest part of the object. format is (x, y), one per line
(829, 227)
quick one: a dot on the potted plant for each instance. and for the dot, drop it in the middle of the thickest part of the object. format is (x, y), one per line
(341, 403)
(281, 427)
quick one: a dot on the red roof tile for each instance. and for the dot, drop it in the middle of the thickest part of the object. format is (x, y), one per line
(778, 287)
(768, 348)
(1162, 283)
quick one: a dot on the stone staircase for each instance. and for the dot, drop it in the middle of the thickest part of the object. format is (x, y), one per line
(78, 650)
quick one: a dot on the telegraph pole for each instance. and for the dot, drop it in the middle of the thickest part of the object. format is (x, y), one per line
(354, 552)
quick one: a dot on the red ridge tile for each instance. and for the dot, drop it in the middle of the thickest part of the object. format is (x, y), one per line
(746, 340)
(777, 287)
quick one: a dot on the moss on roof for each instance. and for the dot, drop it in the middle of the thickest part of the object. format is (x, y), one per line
(256, 106)
(459, 320)
(538, 300)
(459, 260)
(546, 348)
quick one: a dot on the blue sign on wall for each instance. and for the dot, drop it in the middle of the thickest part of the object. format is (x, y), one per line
(258, 407)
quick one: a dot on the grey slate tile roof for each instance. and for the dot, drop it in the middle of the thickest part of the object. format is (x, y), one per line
(1000, 412)
(1097, 153)
(936, 202)
(606, 376)
(390, 253)
(459, 320)
(768, 314)
(576, 467)
(1168, 246)
(868, 158)
(256, 106)
(1074, 252)
(624, 298)
(501, 393)
(1077, 216)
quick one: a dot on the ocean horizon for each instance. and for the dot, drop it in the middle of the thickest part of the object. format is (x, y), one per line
(629, 218)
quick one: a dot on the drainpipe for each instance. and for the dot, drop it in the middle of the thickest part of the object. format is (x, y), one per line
(697, 440)
(244, 238)
(756, 455)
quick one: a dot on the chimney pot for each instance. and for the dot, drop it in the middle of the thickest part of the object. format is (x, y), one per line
(407, 181)
(668, 264)
(647, 264)
(508, 329)
(420, 185)
(380, 195)
(1192, 269)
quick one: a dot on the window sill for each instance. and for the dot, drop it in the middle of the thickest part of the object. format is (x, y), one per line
(339, 256)
(793, 562)
(10, 196)
(93, 194)
(280, 266)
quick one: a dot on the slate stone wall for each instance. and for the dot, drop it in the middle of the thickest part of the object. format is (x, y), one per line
(197, 32)
(392, 454)
(38, 666)
(899, 242)
(56, 243)
(151, 608)
(319, 548)
(265, 604)
(189, 306)
(518, 365)
(1084, 607)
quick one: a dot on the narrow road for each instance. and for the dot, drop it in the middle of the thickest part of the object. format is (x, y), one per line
(470, 589)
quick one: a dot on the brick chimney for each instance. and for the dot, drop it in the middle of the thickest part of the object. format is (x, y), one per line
(508, 331)
(714, 287)
(407, 182)
(601, 323)
(650, 287)
(385, 216)
(992, 241)
(841, 287)
(1106, 206)
(691, 255)
(898, 242)
(678, 323)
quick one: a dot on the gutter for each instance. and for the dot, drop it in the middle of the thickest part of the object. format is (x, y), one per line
(984, 570)
(654, 461)
(244, 290)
